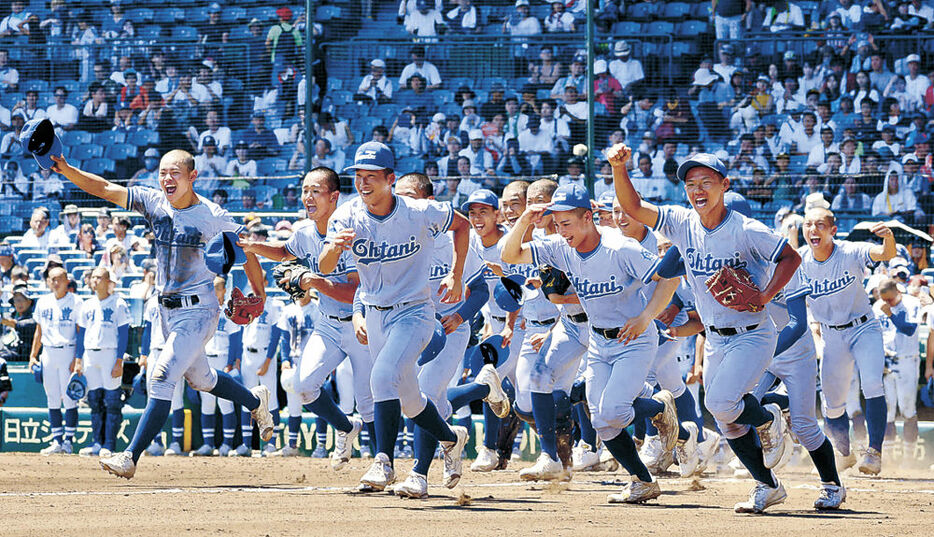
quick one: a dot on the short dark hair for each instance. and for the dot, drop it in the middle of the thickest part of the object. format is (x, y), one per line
(219, 192)
(422, 183)
(62, 88)
(329, 175)
(381, 129)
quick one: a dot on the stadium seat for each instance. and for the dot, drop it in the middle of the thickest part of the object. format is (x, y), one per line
(120, 151)
(140, 15)
(28, 166)
(149, 32)
(326, 13)
(265, 14)
(144, 138)
(659, 27)
(642, 12)
(75, 138)
(675, 11)
(700, 11)
(185, 33)
(334, 84)
(100, 166)
(232, 14)
(196, 15)
(12, 223)
(127, 280)
(35, 85)
(107, 138)
(86, 151)
(168, 16)
(692, 29)
(626, 28)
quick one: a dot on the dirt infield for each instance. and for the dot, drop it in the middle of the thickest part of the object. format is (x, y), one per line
(255, 497)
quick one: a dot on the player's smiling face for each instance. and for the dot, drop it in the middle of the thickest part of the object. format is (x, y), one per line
(624, 222)
(574, 226)
(175, 179)
(317, 197)
(704, 188)
(482, 218)
(818, 229)
(540, 198)
(513, 207)
(374, 186)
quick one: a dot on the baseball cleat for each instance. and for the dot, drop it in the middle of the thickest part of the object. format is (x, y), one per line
(688, 454)
(261, 414)
(497, 399)
(320, 452)
(584, 459)
(844, 462)
(636, 492)
(241, 451)
(67, 448)
(55, 448)
(707, 450)
(544, 469)
(772, 437)
(788, 453)
(486, 460)
(762, 497)
(287, 451)
(414, 486)
(90, 451)
(871, 462)
(786, 414)
(379, 475)
(638, 442)
(205, 450)
(666, 421)
(268, 449)
(831, 497)
(155, 450)
(343, 444)
(453, 453)
(608, 463)
(224, 450)
(174, 450)
(120, 465)
(104, 452)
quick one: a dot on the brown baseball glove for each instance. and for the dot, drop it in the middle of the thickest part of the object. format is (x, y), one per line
(734, 289)
(243, 309)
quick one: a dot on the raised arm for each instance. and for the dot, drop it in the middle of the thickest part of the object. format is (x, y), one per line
(331, 253)
(515, 251)
(886, 250)
(452, 285)
(94, 185)
(629, 199)
(270, 250)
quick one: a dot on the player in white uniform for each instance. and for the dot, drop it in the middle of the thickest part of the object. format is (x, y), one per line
(152, 342)
(105, 320)
(435, 376)
(608, 271)
(224, 351)
(709, 237)
(333, 338)
(391, 238)
(182, 223)
(259, 368)
(56, 314)
(296, 325)
(900, 315)
(833, 272)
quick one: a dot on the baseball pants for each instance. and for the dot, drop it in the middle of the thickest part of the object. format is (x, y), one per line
(857, 348)
(799, 375)
(507, 368)
(98, 367)
(396, 339)
(526, 363)
(733, 366)
(435, 376)
(666, 372)
(210, 401)
(189, 330)
(249, 370)
(557, 369)
(56, 364)
(901, 387)
(329, 345)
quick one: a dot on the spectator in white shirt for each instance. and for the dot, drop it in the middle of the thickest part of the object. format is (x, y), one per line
(242, 166)
(15, 185)
(725, 68)
(782, 16)
(62, 114)
(537, 145)
(559, 20)
(66, 232)
(123, 237)
(916, 84)
(575, 175)
(424, 21)
(419, 66)
(625, 69)
(522, 22)
(407, 7)
(807, 137)
(46, 185)
(14, 24)
(37, 236)
(9, 76)
(851, 161)
(375, 85)
(918, 9)
(481, 160)
(818, 153)
(462, 19)
(205, 88)
(215, 130)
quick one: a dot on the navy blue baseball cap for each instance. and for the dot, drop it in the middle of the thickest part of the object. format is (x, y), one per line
(38, 138)
(438, 340)
(707, 160)
(487, 351)
(736, 202)
(605, 201)
(6, 250)
(508, 293)
(221, 253)
(568, 198)
(37, 372)
(481, 196)
(77, 387)
(373, 156)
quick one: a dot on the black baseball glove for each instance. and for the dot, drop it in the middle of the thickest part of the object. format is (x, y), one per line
(554, 282)
(288, 277)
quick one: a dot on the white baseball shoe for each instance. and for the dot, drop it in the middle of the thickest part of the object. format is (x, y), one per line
(788, 453)
(67, 448)
(486, 460)
(584, 459)
(343, 444)
(636, 492)
(90, 451)
(608, 462)
(206, 450)
(120, 464)
(104, 452)
(844, 462)
(761, 498)
(286, 451)
(544, 469)
(155, 450)
(241, 451)
(414, 486)
(497, 399)
(688, 455)
(666, 421)
(707, 450)
(871, 462)
(772, 436)
(268, 449)
(55, 448)
(174, 450)
(224, 450)
(379, 475)
(453, 456)
(831, 497)
(261, 414)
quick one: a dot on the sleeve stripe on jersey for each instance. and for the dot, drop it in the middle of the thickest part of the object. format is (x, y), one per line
(533, 249)
(662, 216)
(804, 291)
(240, 229)
(449, 220)
(288, 248)
(647, 277)
(778, 250)
(478, 272)
(129, 198)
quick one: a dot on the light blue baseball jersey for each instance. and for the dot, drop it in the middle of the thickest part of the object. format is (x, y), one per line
(153, 313)
(490, 254)
(897, 343)
(100, 320)
(219, 344)
(650, 243)
(58, 319)
(180, 236)
(609, 280)
(257, 334)
(307, 243)
(738, 241)
(442, 255)
(778, 311)
(536, 306)
(834, 287)
(299, 322)
(393, 252)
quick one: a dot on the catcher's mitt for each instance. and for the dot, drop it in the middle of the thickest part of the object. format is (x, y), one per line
(288, 277)
(554, 282)
(734, 289)
(243, 309)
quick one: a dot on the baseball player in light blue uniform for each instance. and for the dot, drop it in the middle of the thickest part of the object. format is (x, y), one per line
(710, 237)
(833, 274)
(57, 335)
(333, 338)
(105, 322)
(224, 352)
(391, 238)
(435, 376)
(152, 341)
(183, 222)
(296, 325)
(608, 271)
